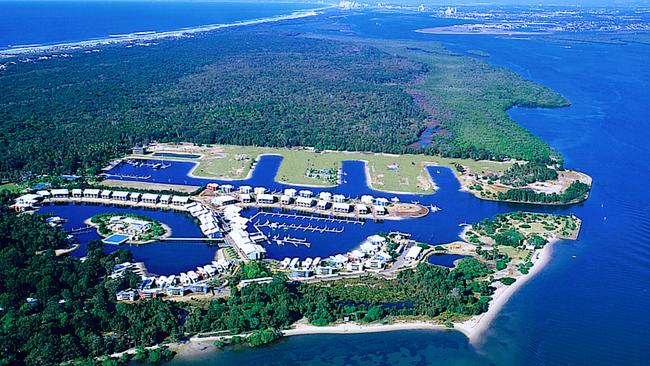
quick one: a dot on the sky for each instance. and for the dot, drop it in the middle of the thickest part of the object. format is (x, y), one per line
(429, 2)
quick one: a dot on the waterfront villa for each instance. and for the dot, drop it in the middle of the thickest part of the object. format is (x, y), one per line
(120, 196)
(106, 194)
(304, 201)
(322, 204)
(341, 207)
(135, 196)
(60, 193)
(305, 193)
(285, 199)
(290, 192)
(91, 193)
(150, 198)
(265, 199)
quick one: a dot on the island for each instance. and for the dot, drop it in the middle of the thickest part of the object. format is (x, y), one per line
(121, 228)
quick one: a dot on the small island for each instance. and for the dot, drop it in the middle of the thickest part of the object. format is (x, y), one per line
(128, 228)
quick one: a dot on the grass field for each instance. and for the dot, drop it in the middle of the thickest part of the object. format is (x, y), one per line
(11, 187)
(391, 173)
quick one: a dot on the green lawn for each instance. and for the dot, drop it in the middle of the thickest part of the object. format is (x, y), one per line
(393, 173)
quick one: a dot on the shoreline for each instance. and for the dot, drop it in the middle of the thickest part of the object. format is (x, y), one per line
(474, 328)
(37, 49)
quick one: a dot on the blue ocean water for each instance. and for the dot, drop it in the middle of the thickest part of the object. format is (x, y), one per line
(54, 22)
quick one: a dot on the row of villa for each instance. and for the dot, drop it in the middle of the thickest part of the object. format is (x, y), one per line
(32, 200)
(300, 198)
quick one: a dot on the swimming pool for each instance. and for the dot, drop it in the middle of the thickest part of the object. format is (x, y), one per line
(116, 239)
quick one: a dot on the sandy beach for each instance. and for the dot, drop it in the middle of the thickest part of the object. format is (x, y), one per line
(149, 36)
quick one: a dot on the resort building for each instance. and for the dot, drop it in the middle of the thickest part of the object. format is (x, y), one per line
(245, 198)
(338, 198)
(285, 200)
(304, 202)
(375, 263)
(413, 253)
(91, 193)
(290, 192)
(245, 189)
(325, 196)
(224, 200)
(176, 291)
(44, 194)
(376, 239)
(151, 198)
(227, 188)
(380, 210)
(180, 200)
(322, 204)
(354, 266)
(242, 241)
(265, 199)
(306, 193)
(212, 187)
(367, 199)
(135, 197)
(126, 295)
(120, 195)
(165, 199)
(60, 193)
(77, 193)
(259, 190)
(361, 209)
(26, 201)
(341, 207)
(325, 271)
(106, 194)
(301, 273)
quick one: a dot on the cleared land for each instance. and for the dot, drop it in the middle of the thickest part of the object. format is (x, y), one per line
(388, 172)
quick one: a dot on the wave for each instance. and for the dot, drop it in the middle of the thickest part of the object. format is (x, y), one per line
(151, 35)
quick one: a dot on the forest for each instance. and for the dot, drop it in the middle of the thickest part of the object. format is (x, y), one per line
(260, 86)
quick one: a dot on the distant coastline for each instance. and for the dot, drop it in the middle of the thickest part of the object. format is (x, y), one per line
(144, 38)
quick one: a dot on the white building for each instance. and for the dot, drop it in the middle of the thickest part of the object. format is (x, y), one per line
(265, 199)
(227, 188)
(341, 207)
(180, 200)
(242, 241)
(224, 200)
(120, 195)
(245, 189)
(304, 202)
(245, 198)
(60, 193)
(322, 204)
(339, 198)
(106, 194)
(77, 193)
(150, 198)
(367, 199)
(91, 193)
(380, 210)
(259, 190)
(285, 200)
(413, 253)
(325, 196)
(135, 197)
(306, 193)
(290, 192)
(361, 209)
(165, 199)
